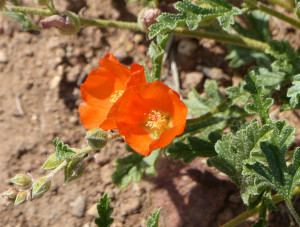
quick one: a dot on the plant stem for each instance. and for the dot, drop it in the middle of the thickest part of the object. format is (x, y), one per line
(268, 10)
(293, 211)
(226, 38)
(247, 214)
(284, 4)
(213, 111)
(62, 165)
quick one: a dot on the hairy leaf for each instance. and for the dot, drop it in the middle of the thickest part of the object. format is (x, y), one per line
(238, 93)
(294, 91)
(21, 18)
(152, 221)
(63, 151)
(191, 15)
(132, 167)
(104, 211)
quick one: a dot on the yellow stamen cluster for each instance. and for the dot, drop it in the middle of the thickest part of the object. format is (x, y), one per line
(157, 121)
(116, 95)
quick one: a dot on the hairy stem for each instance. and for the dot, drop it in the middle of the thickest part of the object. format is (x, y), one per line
(62, 165)
(226, 38)
(281, 16)
(247, 214)
(293, 211)
(284, 4)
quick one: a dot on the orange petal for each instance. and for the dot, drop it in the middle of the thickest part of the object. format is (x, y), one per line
(91, 116)
(137, 75)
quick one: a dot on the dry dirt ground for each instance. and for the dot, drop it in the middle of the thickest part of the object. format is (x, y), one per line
(40, 74)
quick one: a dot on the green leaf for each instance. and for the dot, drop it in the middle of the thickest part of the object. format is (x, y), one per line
(152, 221)
(21, 18)
(104, 211)
(238, 93)
(191, 15)
(261, 104)
(258, 30)
(63, 151)
(294, 91)
(156, 52)
(132, 167)
(194, 148)
(51, 162)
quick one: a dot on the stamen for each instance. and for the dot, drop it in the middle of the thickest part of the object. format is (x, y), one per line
(116, 95)
(157, 121)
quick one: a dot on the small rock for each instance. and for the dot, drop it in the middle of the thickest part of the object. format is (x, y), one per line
(192, 79)
(130, 207)
(217, 74)
(55, 82)
(92, 211)
(78, 206)
(138, 38)
(187, 47)
(3, 57)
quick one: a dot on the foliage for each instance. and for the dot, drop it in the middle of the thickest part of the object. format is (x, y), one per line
(132, 167)
(104, 211)
(152, 220)
(63, 151)
(192, 15)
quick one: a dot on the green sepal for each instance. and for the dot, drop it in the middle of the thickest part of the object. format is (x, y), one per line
(73, 27)
(22, 180)
(74, 169)
(63, 151)
(51, 162)
(104, 211)
(40, 187)
(132, 167)
(96, 138)
(21, 197)
(153, 219)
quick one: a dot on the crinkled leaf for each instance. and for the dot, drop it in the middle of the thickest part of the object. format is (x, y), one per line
(294, 91)
(194, 147)
(191, 15)
(258, 30)
(63, 151)
(152, 220)
(238, 93)
(156, 52)
(104, 211)
(132, 167)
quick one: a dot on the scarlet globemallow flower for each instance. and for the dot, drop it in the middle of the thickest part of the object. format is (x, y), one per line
(103, 87)
(149, 116)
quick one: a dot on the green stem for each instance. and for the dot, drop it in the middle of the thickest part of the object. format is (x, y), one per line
(247, 214)
(284, 4)
(226, 38)
(62, 165)
(293, 211)
(204, 117)
(272, 12)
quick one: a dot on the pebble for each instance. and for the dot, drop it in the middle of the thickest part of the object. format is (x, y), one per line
(78, 206)
(74, 74)
(130, 207)
(92, 211)
(3, 57)
(55, 82)
(187, 47)
(192, 79)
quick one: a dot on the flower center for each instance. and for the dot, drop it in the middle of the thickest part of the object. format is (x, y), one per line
(116, 95)
(157, 121)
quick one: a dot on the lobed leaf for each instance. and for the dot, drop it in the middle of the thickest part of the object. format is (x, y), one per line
(63, 151)
(104, 211)
(294, 91)
(152, 221)
(132, 167)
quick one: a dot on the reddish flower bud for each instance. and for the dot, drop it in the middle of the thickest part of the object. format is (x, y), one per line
(67, 24)
(147, 17)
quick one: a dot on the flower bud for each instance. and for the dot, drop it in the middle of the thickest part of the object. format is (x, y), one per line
(147, 17)
(67, 24)
(21, 197)
(22, 180)
(10, 193)
(41, 2)
(40, 187)
(96, 138)
(74, 169)
(2, 4)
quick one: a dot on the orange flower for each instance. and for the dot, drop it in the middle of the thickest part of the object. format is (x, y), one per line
(103, 87)
(149, 116)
